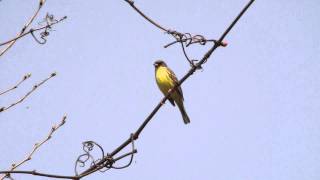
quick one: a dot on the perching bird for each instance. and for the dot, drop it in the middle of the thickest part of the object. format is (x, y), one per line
(166, 80)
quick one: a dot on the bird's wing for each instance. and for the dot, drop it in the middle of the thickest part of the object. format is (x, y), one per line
(175, 80)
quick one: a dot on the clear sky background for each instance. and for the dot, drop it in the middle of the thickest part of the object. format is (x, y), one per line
(254, 108)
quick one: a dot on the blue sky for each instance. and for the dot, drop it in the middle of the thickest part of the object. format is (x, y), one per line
(254, 108)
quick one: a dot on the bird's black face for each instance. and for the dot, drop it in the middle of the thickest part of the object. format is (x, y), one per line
(159, 63)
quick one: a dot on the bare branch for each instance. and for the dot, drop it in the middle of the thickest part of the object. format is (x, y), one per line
(41, 3)
(35, 87)
(37, 146)
(50, 21)
(35, 173)
(25, 77)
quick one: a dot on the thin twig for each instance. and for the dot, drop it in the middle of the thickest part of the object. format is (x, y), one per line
(25, 77)
(37, 146)
(41, 3)
(125, 155)
(131, 157)
(35, 87)
(35, 173)
(189, 39)
(185, 53)
(131, 3)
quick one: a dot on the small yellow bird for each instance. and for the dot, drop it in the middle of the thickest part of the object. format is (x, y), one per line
(166, 80)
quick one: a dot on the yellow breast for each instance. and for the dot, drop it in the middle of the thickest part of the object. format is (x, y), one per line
(163, 80)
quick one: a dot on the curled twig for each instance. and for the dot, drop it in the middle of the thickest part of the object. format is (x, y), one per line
(47, 27)
(49, 20)
(104, 162)
(191, 40)
(83, 159)
(36, 86)
(185, 39)
(182, 38)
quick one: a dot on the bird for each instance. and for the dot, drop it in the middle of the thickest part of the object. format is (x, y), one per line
(166, 80)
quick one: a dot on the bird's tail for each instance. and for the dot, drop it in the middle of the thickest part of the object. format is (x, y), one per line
(185, 117)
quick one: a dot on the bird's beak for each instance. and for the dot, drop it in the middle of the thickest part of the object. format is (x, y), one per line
(154, 64)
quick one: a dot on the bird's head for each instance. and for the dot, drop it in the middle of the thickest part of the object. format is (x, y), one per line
(159, 63)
